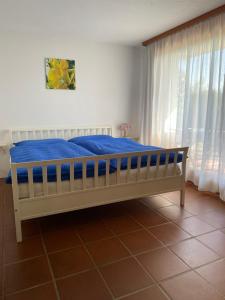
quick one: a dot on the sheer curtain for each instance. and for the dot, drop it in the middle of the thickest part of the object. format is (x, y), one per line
(183, 103)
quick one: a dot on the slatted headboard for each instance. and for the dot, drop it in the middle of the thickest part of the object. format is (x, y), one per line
(17, 135)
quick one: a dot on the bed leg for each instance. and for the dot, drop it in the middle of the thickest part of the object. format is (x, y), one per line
(182, 197)
(18, 229)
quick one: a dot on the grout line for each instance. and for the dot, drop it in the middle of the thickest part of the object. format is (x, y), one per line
(158, 283)
(175, 243)
(133, 293)
(170, 219)
(97, 268)
(153, 226)
(64, 249)
(191, 235)
(194, 214)
(175, 222)
(50, 269)
(22, 260)
(193, 268)
(213, 250)
(142, 267)
(29, 288)
(117, 236)
(213, 286)
(114, 261)
(99, 240)
(132, 255)
(138, 262)
(142, 290)
(190, 268)
(74, 274)
(196, 272)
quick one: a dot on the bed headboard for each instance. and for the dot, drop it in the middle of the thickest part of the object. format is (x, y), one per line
(17, 135)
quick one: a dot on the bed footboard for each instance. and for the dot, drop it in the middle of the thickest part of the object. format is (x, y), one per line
(153, 183)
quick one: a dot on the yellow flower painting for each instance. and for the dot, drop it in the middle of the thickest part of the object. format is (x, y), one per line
(60, 74)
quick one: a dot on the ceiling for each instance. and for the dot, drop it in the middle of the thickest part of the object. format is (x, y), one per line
(127, 22)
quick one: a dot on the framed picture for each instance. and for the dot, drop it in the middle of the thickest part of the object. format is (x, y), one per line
(60, 74)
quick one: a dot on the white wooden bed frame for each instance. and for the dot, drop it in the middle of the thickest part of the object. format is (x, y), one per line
(48, 204)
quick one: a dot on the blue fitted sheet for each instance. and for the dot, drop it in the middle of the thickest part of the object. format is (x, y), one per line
(104, 144)
(59, 150)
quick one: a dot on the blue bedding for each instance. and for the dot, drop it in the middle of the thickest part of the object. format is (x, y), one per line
(39, 142)
(104, 144)
(50, 151)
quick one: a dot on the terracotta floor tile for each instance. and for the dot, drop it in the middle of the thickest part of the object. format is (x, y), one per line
(26, 274)
(114, 210)
(29, 248)
(44, 292)
(9, 216)
(85, 286)
(156, 202)
(199, 207)
(173, 197)
(57, 222)
(189, 286)
(9, 233)
(215, 274)
(82, 218)
(195, 226)
(1, 231)
(94, 231)
(174, 212)
(1, 254)
(125, 277)
(169, 233)
(162, 263)
(215, 203)
(135, 206)
(194, 253)
(139, 241)
(148, 218)
(1, 278)
(191, 194)
(151, 293)
(30, 228)
(70, 261)
(60, 239)
(122, 224)
(107, 251)
(214, 240)
(214, 218)
(1, 242)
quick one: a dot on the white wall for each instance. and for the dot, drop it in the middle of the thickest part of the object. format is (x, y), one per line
(106, 84)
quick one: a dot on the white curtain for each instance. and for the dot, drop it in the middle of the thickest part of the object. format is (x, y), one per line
(183, 103)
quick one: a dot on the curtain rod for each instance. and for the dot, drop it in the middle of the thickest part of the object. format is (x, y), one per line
(187, 24)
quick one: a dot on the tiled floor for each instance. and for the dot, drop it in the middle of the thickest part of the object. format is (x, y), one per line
(136, 250)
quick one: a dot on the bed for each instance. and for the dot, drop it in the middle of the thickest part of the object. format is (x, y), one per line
(83, 178)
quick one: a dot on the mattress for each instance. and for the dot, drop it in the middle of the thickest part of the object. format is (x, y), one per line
(52, 188)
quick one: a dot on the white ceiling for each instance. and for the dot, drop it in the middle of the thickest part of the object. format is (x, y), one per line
(126, 22)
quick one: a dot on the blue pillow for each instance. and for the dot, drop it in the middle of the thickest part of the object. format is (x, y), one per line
(39, 142)
(90, 138)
